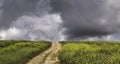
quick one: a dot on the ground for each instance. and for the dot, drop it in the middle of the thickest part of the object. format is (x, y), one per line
(49, 56)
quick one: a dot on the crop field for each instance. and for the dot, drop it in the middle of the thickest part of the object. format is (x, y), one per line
(89, 52)
(19, 52)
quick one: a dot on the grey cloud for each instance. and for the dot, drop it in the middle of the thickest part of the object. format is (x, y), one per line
(29, 20)
(39, 28)
(88, 18)
(41, 19)
(13, 9)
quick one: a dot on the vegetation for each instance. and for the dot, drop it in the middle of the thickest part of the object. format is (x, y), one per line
(19, 52)
(5, 43)
(89, 52)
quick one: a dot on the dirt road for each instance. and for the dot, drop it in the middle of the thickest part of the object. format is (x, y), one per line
(49, 56)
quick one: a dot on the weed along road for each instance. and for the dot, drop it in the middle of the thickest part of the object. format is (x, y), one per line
(49, 56)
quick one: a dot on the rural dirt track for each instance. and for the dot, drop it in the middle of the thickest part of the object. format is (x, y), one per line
(49, 56)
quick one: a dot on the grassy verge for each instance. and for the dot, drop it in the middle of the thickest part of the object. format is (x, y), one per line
(21, 52)
(90, 52)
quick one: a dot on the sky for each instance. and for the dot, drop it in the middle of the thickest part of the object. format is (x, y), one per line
(56, 20)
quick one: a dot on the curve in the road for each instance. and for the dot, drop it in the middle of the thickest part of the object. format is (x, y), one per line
(49, 56)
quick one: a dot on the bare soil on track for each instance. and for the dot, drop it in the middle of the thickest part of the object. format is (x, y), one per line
(49, 56)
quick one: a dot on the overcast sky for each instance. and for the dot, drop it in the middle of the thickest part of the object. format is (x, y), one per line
(60, 19)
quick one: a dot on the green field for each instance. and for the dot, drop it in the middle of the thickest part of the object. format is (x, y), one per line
(72, 52)
(89, 52)
(19, 52)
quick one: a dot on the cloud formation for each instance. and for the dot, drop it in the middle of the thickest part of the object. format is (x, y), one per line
(29, 20)
(60, 19)
(13, 9)
(83, 19)
(34, 28)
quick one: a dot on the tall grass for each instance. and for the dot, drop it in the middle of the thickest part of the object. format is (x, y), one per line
(21, 52)
(90, 53)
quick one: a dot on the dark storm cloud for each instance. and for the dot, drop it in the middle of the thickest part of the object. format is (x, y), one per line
(88, 18)
(12, 9)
